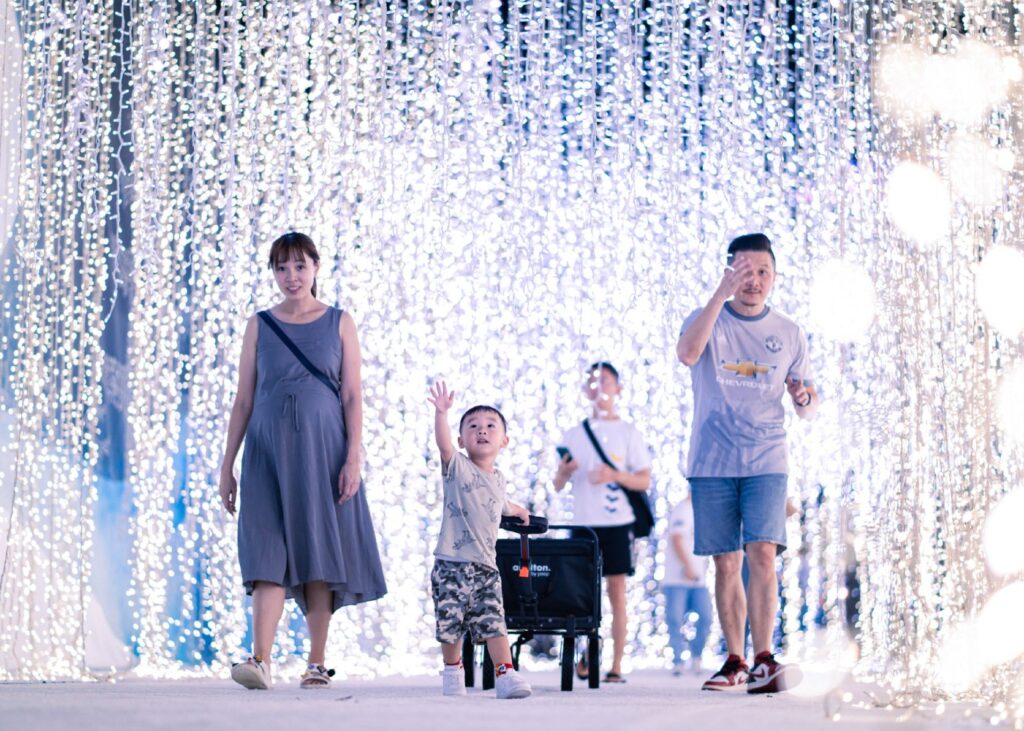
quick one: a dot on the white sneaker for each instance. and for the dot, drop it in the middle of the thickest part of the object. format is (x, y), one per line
(252, 674)
(453, 680)
(678, 669)
(511, 684)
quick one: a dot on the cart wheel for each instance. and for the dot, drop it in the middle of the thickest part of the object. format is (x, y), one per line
(594, 661)
(568, 661)
(469, 660)
(487, 682)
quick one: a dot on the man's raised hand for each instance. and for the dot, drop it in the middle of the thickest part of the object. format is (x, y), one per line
(734, 276)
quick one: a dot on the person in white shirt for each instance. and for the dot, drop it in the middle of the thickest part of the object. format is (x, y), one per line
(599, 500)
(685, 589)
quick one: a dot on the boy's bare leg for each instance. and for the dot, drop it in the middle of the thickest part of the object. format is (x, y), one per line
(500, 652)
(267, 606)
(731, 599)
(616, 586)
(319, 602)
(451, 652)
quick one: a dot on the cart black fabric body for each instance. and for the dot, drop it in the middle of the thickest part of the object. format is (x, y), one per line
(550, 586)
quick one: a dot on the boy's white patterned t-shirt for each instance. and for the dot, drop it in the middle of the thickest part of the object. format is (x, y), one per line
(473, 504)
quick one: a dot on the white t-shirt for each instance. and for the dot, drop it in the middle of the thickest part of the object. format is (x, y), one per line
(680, 523)
(600, 504)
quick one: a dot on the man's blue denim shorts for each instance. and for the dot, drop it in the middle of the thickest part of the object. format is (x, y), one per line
(730, 512)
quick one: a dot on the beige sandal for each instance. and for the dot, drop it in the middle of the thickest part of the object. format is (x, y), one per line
(316, 676)
(253, 674)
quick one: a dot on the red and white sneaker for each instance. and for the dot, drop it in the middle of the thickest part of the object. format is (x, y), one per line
(768, 676)
(732, 676)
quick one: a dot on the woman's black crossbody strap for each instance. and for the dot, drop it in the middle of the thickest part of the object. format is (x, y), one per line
(265, 316)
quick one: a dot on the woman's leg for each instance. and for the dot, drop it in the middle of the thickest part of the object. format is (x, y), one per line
(319, 606)
(267, 605)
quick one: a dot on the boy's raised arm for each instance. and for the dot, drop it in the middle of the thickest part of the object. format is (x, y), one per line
(442, 400)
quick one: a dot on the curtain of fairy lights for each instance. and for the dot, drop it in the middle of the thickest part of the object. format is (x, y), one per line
(57, 262)
(502, 193)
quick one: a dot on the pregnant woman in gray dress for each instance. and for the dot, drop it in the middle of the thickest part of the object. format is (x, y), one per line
(304, 530)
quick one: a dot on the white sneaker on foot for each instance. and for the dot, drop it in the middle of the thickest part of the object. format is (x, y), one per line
(453, 680)
(511, 684)
(252, 674)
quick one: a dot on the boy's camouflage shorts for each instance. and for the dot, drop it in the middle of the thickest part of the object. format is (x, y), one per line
(467, 596)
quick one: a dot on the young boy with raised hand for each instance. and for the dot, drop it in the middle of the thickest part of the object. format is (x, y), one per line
(465, 582)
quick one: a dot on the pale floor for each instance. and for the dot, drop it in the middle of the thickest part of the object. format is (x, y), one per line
(651, 700)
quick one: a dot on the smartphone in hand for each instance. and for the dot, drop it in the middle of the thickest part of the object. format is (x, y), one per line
(564, 454)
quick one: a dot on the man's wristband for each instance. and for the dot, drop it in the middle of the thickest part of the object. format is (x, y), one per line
(806, 403)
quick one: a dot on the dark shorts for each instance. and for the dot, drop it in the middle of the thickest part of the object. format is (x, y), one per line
(467, 598)
(616, 546)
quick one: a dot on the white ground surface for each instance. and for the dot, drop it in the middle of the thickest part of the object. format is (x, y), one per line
(651, 701)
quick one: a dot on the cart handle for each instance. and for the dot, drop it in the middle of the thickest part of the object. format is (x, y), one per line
(538, 524)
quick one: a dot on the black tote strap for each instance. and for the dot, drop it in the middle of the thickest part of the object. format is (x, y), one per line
(265, 316)
(597, 445)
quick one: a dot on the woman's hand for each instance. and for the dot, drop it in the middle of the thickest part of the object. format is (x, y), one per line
(348, 481)
(228, 490)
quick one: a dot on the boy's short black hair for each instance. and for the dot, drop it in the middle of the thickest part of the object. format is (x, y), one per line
(483, 408)
(750, 242)
(605, 365)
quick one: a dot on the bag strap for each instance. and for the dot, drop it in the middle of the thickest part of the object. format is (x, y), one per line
(597, 445)
(265, 316)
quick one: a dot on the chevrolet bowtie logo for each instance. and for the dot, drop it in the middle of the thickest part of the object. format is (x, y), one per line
(747, 369)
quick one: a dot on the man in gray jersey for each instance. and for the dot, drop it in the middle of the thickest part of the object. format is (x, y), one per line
(744, 357)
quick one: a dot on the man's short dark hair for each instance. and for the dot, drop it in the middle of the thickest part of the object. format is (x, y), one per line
(605, 365)
(750, 242)
(483, 409)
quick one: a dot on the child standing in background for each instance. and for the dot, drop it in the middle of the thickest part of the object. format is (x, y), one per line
(465, 582)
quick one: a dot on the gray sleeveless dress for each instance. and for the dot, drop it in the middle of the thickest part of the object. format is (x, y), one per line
(291, 529)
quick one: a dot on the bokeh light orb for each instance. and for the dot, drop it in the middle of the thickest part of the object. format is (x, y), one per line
(842, 301)
(962, 665)
(904, 72)
(918, 202)
(977, 170)
(993, 637)
(961, 85)
(1000, 630)
(1001, 539)
(966, 85)
(1010, 405)
(997, 283)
